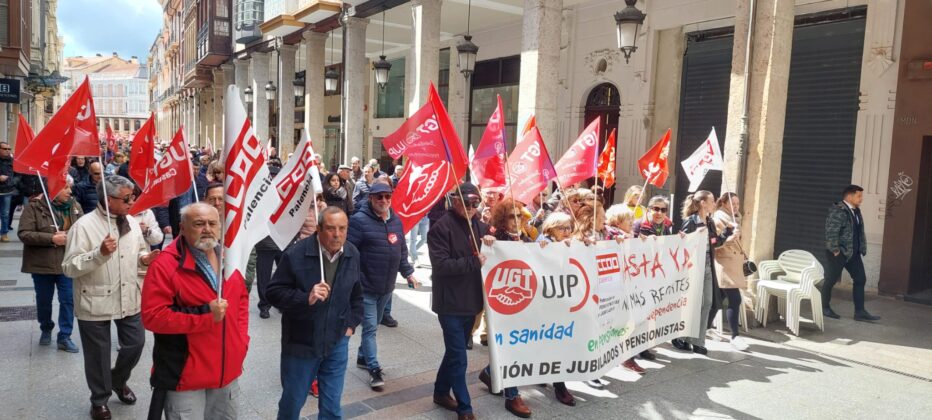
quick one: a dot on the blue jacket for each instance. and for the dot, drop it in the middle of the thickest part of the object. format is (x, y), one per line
(86, 194)
(313, 330)
(382, 246)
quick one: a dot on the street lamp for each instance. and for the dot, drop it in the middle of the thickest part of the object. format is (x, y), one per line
(270, 91)
(382, 67)
(466, 49)
(628, 21)
(331, 77)
(299, 86)
(247, 94)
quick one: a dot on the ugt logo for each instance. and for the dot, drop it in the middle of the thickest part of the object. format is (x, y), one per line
(510, 286)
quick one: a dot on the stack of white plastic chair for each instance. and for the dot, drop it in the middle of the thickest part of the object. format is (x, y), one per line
(767, 272)
(807, 290)
(791, 264)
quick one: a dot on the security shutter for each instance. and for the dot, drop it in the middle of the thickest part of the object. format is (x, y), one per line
(703, 104)
(819, 130)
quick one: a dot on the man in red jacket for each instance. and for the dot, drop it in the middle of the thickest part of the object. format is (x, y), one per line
(200, 339)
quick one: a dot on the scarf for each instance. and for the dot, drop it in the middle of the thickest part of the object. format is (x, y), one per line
(62, 213)
(121, 223)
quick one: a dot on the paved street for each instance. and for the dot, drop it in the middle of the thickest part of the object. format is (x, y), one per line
(854, 370)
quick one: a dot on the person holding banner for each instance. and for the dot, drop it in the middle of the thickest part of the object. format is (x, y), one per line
(43, 229)
(729, 261)
(657, 223)
(632, 198)
(457, 295)
(697, 214)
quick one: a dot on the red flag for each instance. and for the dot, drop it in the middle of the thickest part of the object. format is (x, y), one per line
(24, 136)
(142, 153)
(530, 167)
(428, 136)
(419, 188)
(171, 177)
(531, 123)
(653, 165)
(111, 139)
(607, 162)
(580, 160)
(488, 164)
(74, 124)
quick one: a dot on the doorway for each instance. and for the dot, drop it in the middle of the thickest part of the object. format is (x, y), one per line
(604, 103)
(920, 277)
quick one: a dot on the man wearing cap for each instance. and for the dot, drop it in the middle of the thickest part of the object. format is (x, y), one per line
(457, 292)
(346, 178)
(379, 236)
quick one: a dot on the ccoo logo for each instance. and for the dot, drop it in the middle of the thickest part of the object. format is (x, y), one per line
(510, 287)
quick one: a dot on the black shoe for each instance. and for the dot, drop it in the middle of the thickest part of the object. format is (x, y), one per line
(388, 321)
(100, 412)
(67, 345)
(648, 355)
(700, 350)
(681, 345)
(46, 338)
(487, 380)
(828, 312)
(125, 395)
(375, 378)
(863, 315)
(469, 344)
(264, 313)
(361, 363)
(484, 342)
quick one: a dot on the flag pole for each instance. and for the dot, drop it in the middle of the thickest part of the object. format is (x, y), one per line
(103, 183)
(48, 200)
(317, 234)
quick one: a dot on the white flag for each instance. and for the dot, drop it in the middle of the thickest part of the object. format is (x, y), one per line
(249, 195)
(472, 174)
(707, 157)
(297, 186)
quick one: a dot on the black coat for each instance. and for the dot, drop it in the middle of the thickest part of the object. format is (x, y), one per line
(6, 168)
(457, 273)
(313, 331)
(86, 194)
(381, 244)
(716, 240)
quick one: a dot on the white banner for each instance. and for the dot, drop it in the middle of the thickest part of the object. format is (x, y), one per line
(573, 313)
(708, 157)
(297, 185)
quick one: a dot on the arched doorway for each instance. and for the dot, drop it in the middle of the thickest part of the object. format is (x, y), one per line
(604, 102)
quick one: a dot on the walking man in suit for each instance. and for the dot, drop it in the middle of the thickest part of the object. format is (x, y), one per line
(845, 244)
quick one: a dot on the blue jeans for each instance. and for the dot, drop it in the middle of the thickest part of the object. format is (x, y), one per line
(388, 307)
(420, 229)
(297, 374)
(510, 392)
(373, 306)
(45, 285)
(452, 372)
(5, 203)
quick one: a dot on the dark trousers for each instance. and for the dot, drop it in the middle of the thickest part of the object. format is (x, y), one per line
(264, 261)
(855, 267)
(452, 372)
(95, 338)
(45, 285)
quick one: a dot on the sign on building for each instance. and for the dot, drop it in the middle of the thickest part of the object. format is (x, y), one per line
(9, 91)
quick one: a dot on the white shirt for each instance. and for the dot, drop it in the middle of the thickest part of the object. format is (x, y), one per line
(853, 213)
(331, 258)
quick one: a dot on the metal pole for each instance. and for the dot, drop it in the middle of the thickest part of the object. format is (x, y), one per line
(744, 137)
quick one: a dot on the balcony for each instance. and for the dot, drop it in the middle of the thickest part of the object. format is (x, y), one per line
(313, 11)
(249, 15)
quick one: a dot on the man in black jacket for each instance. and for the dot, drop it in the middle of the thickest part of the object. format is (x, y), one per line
(320, 311)
(86, 191)
(7, 189)
(457, 292)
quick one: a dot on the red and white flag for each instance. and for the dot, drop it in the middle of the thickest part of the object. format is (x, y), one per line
(653, 165)
(607, 162)
(488, 163)
(530, 167)
(142, 153)
(171, 177)
(111, 140)
(74, 126)
(297, 185)
(24, 136)
(708, 157)
(580, 161)
(249, 194)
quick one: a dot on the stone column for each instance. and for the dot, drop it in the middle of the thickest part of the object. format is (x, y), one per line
(356, 74)
(540, 62)
(424, 58)
(40, 113)
(314, 116)
(286, 136)
(770, 70)
(223, 76)
(259, 69)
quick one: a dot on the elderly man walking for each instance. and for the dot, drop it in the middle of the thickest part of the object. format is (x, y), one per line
(200, 339)
(103, 255)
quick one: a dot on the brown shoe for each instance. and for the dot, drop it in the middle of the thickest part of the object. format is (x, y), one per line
(563, 395)
(125, 395)
(100, 412)
(446, 401)
(467, 416)
(4, 238)
(518, 408)
(632, 365)
(487, 380)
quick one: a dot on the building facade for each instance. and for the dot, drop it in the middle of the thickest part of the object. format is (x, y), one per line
(119, 87)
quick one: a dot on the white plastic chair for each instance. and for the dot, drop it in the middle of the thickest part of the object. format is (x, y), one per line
(807, 291)
(791, 264)
(767, 271)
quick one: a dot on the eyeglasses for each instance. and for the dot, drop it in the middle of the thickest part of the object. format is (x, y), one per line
(126, 200)
(382, 196)
(5, 148)
(564, 228)
(472, 203)
(659, 209)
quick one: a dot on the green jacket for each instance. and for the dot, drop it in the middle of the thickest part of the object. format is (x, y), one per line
(839, 231)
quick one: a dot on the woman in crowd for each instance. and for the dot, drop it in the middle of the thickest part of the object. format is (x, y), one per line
(656, 222)
(590, 223)
(632, 196)
(335, 193)
(43, 252)
(729, 260)
(78, 169)
(118, 159)
(697, 214)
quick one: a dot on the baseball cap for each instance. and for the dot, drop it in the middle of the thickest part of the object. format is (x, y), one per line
(469, 191)
(347, 167)
(379, 188)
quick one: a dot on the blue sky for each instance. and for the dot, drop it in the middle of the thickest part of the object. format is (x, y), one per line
(127, 27)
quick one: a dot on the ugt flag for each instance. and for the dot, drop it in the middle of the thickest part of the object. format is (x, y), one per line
(580, 160)
(74, 126)
(488, 163)
(171, 177)
(530, 167)
(653, 165)
(142, 153)
(607, 162)
(297, 185)
(708, 157)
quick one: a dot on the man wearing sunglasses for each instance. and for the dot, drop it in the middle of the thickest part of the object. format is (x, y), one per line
(379, 236)
(103, 255)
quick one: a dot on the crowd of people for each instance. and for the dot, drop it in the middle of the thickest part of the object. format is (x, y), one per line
(338, 274)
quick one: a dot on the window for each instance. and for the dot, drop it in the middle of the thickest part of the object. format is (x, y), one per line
(491, 78)
(443, 79)
(390, 101)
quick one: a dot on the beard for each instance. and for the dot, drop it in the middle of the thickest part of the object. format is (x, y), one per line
(206, 243)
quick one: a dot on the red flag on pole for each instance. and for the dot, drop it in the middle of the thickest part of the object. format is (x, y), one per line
(530, 167)
(488, 164)
(74, 125)
(531, 123)
(111, 140)
(170, 178)
(142, 153)
(24, 136)
(607, 162)
(653, 165)
(579, 161)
